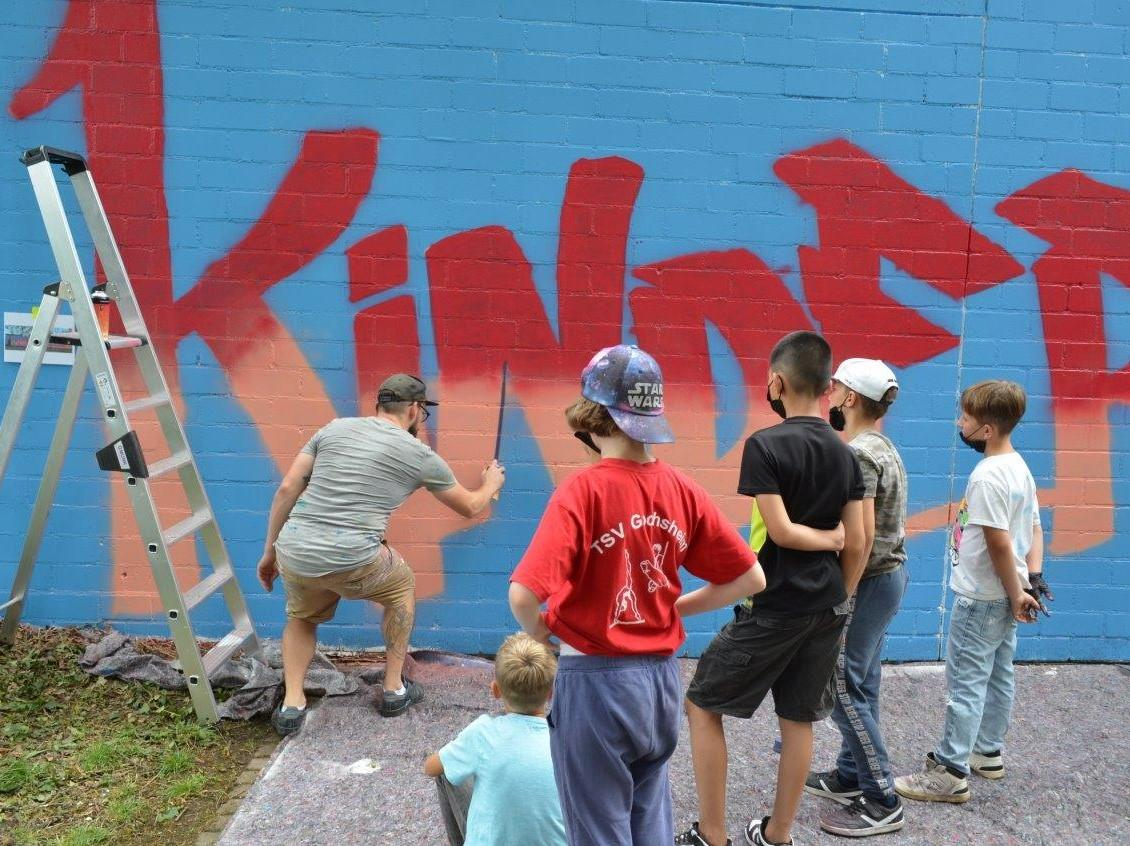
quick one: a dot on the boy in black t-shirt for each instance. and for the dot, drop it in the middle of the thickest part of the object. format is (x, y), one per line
(808, 492)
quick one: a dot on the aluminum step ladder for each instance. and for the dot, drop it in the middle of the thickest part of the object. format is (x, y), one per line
(93, 346)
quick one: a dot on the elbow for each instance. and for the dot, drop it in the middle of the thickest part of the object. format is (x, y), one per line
(756, 579)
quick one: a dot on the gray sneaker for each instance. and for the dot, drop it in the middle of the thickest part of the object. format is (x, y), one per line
(288, 720)
(862, 818)
(987, 766)
(934, 784)
(393, 705)
(829, 785)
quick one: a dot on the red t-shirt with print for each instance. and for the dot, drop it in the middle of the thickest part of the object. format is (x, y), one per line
(607, 554)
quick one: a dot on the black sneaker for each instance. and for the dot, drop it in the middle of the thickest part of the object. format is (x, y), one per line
(829, 785)
(755, 834)
(691, 837)
(288, 720)
(393, 705)
(863, 818)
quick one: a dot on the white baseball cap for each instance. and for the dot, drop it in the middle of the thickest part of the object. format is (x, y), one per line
(866, 376)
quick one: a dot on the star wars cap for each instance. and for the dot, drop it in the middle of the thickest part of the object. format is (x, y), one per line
(628, 382)
(400, 387)
(867, 376)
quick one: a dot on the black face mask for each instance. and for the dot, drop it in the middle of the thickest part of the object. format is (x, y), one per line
(776, 404)
(586, 439)
(976, 446)
(836, 418)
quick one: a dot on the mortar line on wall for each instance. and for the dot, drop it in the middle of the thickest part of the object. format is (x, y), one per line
(961, 336)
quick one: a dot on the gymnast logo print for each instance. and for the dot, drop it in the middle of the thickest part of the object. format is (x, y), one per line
(627, 611)
(653, 569)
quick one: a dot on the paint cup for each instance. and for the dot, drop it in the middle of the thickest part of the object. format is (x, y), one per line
(101, 302)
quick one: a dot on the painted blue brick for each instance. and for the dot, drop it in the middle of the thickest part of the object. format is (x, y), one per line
(825, 24)
(752, 20)
(817, 82)
(748, 79)
(1113, 12)
(1020, 35)
(626, 41)
(1084, 98)
(1107, 69)
(568, 39)
(1002, 63)
(532, 67)
(616, 12)
(908, 29)
(890, 87)
(1051, 10)
(1058, 68)
(954, 30)
(775, 51)
(1015, 94)
(850, 55)
(918, 58)
(1090, 39)
(956, 90)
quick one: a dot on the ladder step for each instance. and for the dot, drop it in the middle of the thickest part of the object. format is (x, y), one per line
(114, 342)
(15, 600)
(186, 527)
(231, 643)
(168, 465)
(146, 402)
(205, 588)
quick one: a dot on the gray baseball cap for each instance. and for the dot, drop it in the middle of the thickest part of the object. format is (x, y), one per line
(401, 387)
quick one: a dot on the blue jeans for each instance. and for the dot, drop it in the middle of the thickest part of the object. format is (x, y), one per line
(980, 680)
(613, 725)
(863, 756)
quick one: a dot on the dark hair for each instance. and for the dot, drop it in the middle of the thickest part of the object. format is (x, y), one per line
(588, 416)
(874, 410)
(394, 408)
(995, 401)
(804, 359)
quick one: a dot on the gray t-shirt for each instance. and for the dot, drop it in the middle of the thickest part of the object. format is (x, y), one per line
(884, 478)
(364, 468)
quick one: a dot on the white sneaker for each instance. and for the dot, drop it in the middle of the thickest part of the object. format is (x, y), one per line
(987, 766)
(934, 784)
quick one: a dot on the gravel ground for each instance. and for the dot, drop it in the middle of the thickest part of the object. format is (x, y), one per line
(1068, 761)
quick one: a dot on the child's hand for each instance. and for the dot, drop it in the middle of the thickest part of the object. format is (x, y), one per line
(1040, 588)
(838, 536)
(1025, 608)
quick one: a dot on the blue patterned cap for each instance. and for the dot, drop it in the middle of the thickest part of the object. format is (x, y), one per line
(628, 382)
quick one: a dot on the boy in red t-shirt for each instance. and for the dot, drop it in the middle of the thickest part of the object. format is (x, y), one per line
(606, 561)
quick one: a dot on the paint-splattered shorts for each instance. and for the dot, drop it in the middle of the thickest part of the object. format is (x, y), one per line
(386, 580)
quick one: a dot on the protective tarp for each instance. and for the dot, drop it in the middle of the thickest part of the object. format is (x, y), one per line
(256, 681)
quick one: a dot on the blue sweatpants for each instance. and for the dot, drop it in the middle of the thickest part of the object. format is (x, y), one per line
(613, 725)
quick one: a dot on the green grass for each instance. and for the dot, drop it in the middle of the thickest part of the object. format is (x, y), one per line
(87, 761)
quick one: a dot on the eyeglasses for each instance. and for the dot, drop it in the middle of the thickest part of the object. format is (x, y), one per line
(424, 409)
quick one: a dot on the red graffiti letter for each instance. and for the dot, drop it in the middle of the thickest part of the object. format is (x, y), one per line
(865, 212)
(1087, 225)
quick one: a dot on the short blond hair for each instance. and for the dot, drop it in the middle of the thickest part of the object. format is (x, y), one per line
(995, 401)
(524, 670)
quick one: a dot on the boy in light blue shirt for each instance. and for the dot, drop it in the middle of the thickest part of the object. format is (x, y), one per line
(495, 780)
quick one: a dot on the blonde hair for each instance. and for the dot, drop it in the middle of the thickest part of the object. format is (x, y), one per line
(587, 416)
(995, 401)
(524, 670)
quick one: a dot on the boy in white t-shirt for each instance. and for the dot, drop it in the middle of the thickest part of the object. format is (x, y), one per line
(996, 551)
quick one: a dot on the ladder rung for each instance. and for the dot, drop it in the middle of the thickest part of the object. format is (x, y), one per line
(151, 401)
(15, 600)
(114, 342)
(205, 588)
(231, 643)
(186, 527)
(168, 465)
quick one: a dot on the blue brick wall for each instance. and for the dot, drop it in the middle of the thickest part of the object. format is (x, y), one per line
(1017, 120)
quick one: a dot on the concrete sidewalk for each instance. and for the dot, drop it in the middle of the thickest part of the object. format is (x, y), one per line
(1068, 760)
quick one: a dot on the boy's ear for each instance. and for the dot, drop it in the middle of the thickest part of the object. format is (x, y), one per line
(495, 690)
